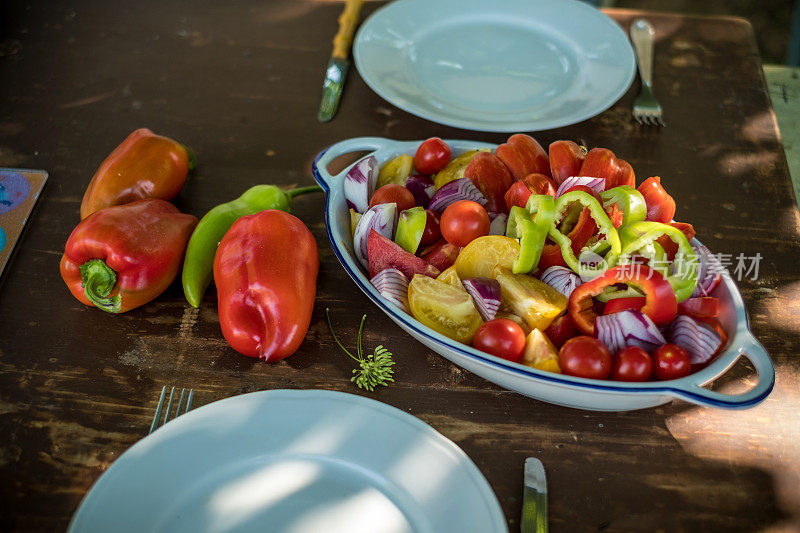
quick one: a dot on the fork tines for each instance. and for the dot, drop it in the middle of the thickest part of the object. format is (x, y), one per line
(168, 411)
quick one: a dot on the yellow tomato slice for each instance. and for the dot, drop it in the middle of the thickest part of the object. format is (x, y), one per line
(450, 277)
(455, 168)
(540, 352)
(396, 171)
(536, 302)
(444, 308)
(479, 258)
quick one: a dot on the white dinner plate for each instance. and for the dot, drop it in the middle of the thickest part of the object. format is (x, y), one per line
(292, 461)
(501, 65)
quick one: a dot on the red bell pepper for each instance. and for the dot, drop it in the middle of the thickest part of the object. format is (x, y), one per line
(661, 305)
(266, 270)
(660, 205)
(551, 256)
(615, 215)
(579, 235)
(602, 163)
(624, 304)
(145, 165)
(583, 230)
(124, 256)
(523, 155)
(566, 160)
(669, 246)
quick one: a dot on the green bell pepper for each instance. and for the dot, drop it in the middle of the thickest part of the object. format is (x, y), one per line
(638, 238)
(531, 226)
(199, 261)
(628, 200)
(604, 225)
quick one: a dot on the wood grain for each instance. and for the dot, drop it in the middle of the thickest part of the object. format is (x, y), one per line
(240, 83)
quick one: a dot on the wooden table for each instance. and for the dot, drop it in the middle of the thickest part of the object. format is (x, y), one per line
(240, 82)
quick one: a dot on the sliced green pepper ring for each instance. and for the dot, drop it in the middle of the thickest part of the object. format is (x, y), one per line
(628, 200)
(531, 226)
(604, 225)
(639, 238)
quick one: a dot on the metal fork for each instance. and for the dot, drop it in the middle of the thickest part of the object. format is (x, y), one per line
(646, 110)
(155, 425)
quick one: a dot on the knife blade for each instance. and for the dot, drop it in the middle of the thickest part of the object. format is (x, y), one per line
(534, 499)
(339, 63)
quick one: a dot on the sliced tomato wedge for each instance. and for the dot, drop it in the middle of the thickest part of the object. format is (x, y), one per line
(701, 307)
(660, 205)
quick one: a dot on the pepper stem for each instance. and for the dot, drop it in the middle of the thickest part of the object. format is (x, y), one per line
(192, 157)
(291, 193)
(98, 280)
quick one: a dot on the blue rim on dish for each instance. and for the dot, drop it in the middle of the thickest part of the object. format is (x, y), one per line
(690, 388)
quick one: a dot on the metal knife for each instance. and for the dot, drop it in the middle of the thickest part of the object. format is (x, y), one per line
(337, 67)
(534, 499)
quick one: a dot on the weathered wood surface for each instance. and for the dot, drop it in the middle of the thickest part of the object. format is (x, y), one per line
(240, 83)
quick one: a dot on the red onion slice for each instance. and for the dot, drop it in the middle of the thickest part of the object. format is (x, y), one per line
(598, 185)
(485, 293)
(628, 328)
(359, 183)
(422, 188)
(382, 218)
(700, 340)
(709, 271)
(561, 279)
(460, 189)
(392, 285)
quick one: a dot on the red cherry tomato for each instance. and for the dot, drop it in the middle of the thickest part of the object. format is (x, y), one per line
(464, 221)
(632, 364)
(671, 362)
(585, 357)
(432, 156)
(393, 193)
(501, 337)
(432, 232)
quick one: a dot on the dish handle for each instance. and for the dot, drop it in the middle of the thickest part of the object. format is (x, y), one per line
(319, 167)
(752, 349)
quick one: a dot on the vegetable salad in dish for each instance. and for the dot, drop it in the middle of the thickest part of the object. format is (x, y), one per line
(552, 259)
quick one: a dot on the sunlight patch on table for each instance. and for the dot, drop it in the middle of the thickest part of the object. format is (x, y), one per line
(758, 437)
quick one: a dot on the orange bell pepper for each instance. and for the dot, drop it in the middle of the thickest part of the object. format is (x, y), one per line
(145, 165)
(266, 270)
(124, 256)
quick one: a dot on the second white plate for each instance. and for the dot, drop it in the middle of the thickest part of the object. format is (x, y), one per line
(289, 461)
(505, 65)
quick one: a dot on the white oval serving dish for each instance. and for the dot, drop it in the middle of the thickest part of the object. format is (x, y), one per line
(559, 389)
